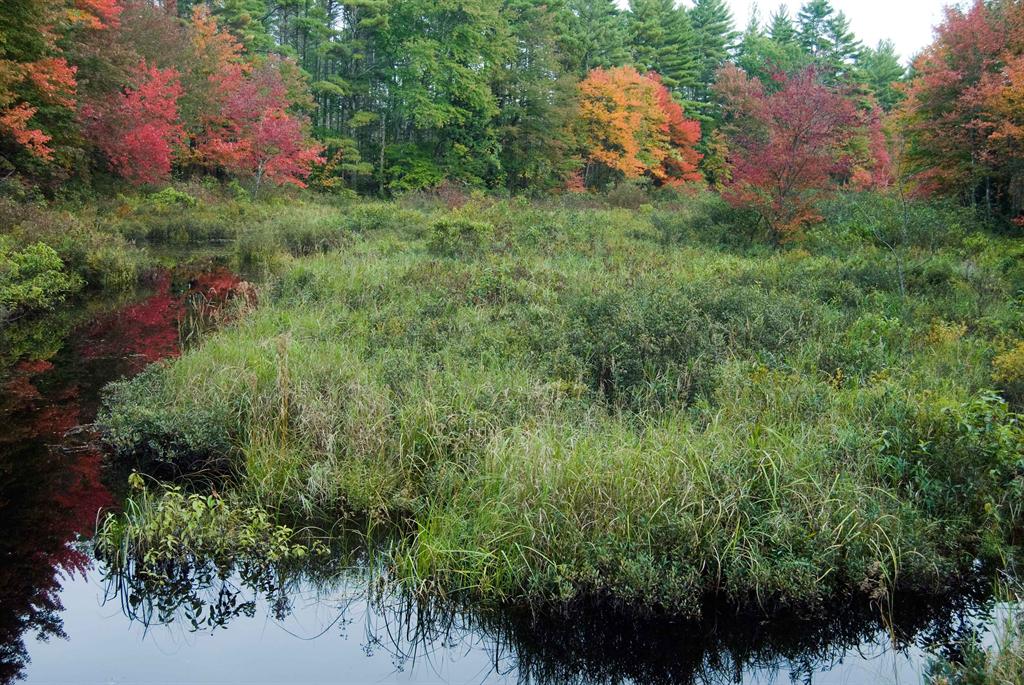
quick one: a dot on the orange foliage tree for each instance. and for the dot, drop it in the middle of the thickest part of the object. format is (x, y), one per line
(35, 76)
(630, 127)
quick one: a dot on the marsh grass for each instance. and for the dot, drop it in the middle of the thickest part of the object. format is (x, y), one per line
(610, 405)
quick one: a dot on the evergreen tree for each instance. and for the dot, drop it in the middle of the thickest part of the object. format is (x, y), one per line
(845, 49)
(713, 28)
(815, 20)
(781, 28)
(825, 36)
(763, 56)
(881, 70)
(533, 100)
(444, 54)
(662, 40)
(594, 35)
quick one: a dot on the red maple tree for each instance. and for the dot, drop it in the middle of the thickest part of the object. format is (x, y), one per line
(679, 165)
(253, 133)
(786, 147)
(138, 130)
(964, 111)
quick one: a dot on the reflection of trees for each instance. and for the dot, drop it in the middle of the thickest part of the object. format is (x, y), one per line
(578, 644)
(47, 497)
(51, 372)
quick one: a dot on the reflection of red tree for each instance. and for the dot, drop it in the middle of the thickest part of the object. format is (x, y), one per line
(146, 329)
(150, 330)
(50, 491)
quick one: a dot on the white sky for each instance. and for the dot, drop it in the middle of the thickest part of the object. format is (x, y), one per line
(907, 23)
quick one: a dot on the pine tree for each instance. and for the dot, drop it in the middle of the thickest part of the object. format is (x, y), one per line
(844, 51)
(533, 100)
(815, 20)
(763, 56)
(663, 40)
(594, 36)
(781, 28)
(881, 70)
(713, 27)
(826, 37)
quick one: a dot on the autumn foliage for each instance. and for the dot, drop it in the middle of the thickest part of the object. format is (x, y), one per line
(629, 124)
(138, 129)
(787, 145)
(964, 114)
(188, 98)
(252, 133)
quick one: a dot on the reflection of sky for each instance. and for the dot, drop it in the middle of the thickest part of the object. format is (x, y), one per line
(907, 23)
(103, 647)
(313, 646)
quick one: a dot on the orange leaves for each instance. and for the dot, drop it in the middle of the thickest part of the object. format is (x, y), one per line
(630, 124)
(54, 79)
(98, 14)
(679, 165)
(214, 47)
(14, 121)
(615, 108)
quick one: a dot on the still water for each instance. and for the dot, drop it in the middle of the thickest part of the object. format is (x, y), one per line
(63, 621)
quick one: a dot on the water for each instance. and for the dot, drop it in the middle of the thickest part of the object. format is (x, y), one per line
(63, 621)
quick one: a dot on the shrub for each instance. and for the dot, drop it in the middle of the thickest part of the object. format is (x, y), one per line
(170, 199)
(1008, 373)
(32, 278)
(456, 236)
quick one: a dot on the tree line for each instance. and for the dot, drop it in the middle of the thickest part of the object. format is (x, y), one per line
(384, 96)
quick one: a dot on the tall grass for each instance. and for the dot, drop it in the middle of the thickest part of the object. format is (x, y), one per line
(600, 404)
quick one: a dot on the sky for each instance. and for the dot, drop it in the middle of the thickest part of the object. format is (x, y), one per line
(907, 23)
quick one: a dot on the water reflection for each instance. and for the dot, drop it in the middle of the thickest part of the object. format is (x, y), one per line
(51, 372)
(429, 641)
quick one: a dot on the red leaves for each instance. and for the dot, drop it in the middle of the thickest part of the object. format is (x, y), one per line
(253, 133)
(964, 113)
(680, 163)
(138, 129)
(630, 124)
(786, 146)
(99, 14)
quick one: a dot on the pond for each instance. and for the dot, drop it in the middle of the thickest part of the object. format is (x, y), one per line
(63, 619)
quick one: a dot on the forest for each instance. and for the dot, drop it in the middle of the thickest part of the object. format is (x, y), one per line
(571, 311)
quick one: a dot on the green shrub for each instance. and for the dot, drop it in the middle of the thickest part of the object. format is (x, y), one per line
(32, 278)
(458, 236)
(170, 199)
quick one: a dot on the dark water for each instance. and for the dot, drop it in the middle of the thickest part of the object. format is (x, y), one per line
(62, 620)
